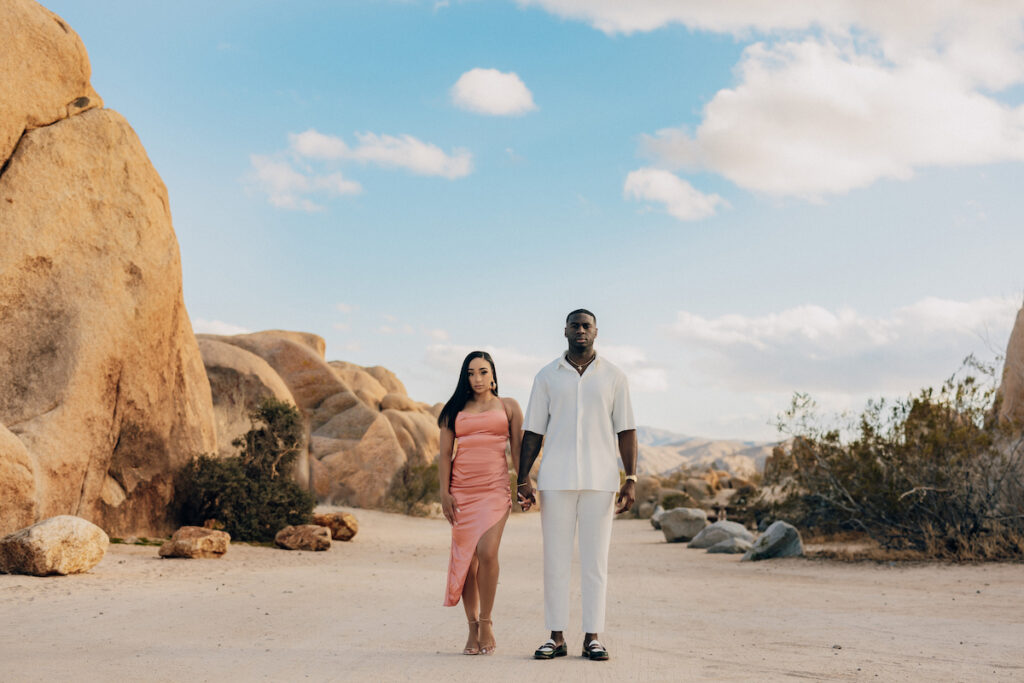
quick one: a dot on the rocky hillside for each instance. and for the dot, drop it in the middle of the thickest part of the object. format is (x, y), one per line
(663, 452)
(102, 389)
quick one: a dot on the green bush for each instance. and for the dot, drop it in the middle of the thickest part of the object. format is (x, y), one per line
(413, 490)
(933, 473)
(250, 494)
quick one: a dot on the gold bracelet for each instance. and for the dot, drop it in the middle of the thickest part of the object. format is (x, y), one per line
(525, 483)
(631, 477)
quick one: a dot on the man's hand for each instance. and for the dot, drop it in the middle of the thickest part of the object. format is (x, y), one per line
(526, 495)
(626, 497)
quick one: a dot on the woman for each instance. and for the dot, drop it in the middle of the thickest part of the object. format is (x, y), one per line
(475, 493)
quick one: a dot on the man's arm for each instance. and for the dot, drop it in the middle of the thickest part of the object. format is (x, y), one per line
(528, 452)
(627, 451)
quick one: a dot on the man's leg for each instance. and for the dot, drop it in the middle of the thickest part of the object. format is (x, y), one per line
(595, 518)
(558, 523)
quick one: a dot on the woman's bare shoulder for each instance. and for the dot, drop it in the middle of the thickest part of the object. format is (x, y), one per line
(511, 405)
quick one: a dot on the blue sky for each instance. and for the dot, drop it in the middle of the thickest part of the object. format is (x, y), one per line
(755, 198)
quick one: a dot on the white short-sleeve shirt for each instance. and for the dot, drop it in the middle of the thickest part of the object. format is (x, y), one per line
(580, 417)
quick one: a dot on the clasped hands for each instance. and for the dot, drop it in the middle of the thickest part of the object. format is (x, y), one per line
(623, 501)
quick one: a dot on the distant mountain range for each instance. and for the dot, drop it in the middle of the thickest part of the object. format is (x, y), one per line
(663, 452)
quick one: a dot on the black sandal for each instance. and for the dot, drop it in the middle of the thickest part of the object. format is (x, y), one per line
(549, 650)
(595, 651)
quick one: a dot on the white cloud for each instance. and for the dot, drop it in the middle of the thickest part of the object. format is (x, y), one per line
(342, 327)
(679, 198)
(201, 326)
(810, 348)
(438, 335)
(404, 151)
(492, 92)
(643, 375)
(345, 308)
(838, 95)
(811, 118)
(287, 187)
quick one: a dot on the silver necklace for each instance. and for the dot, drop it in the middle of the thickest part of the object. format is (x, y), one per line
(577, 365)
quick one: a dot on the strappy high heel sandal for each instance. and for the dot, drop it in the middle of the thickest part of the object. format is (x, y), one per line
(469, 650)
(490, 648)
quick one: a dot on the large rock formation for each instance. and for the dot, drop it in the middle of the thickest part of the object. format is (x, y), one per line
(1011, 390)
(103, 395)
(363, 427)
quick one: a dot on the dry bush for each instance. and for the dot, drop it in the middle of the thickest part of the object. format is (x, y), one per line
(934, 474)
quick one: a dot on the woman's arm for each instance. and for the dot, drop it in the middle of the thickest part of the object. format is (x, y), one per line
(515, 429)
(444, 473)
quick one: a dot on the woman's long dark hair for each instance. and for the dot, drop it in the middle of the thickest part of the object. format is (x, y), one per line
(463, 392)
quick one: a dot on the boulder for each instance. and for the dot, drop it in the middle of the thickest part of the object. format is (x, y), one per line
(780, 539)
(399, 402)
(304, 537)
(343, 526)
(361, 475)
(100, 377)
(357, 449)
(196, 542)
(362, 384)
(44, 72)
(644, 510)
(388, 380)
(718, 532)
(682, 524)
(417, 434)
(656, 516)
(239, 381)
(1011, 389)
(17, 483)
(59, 545)
(732, 545)
(298, 358)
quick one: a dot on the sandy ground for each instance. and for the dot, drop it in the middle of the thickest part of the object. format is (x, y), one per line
(371, 610)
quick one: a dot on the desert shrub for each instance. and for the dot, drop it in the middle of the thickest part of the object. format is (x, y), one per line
(251, 494)
(677, 500)
(414, 488)
(932, 473)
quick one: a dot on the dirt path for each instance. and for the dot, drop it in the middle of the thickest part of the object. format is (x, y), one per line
(371, 610)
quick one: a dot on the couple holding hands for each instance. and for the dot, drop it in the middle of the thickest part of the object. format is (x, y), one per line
(580, 411)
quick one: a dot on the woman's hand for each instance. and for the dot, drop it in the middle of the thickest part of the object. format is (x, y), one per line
(526, 495)
(448, 507)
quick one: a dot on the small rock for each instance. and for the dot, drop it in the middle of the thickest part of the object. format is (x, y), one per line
(682, 524)
(656, 517)
(781, 539)
(196, 542)
(720, 531)
(304, 537)
(731, 545)
(64, 544)
(343, 526)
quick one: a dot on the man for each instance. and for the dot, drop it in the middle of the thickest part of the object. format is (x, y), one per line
(580, 411)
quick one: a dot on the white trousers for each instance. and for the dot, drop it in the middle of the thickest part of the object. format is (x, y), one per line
(560, 511)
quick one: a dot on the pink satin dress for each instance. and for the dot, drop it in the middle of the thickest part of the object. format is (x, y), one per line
(479, 488)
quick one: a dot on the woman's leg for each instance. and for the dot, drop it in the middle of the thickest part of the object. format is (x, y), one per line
(471, 603)
(487, 578)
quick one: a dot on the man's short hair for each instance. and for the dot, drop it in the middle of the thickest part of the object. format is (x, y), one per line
(580, 310)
